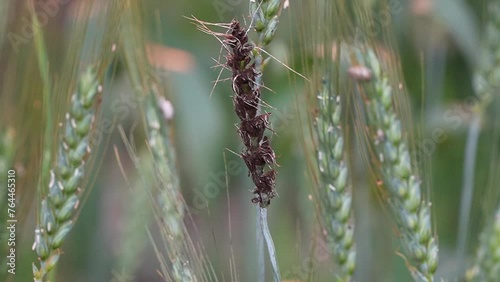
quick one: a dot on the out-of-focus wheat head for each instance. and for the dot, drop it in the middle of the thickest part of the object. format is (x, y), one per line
(179, 259)
(486, 265)
(170, 203)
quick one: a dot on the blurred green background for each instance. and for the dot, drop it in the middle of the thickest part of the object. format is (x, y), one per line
(438, 42)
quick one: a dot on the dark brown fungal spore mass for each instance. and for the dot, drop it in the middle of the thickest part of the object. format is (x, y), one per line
(257, 153)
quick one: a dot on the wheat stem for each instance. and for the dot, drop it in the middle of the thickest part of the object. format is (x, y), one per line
(412, 211)
(58, 208)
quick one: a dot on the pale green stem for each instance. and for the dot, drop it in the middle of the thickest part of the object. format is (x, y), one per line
(467, 189)
(270, 244)
(261, 259)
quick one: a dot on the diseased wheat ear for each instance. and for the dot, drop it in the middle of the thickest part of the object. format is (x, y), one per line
(58, 207)
(246, 63)
(334, 181)
(258, 155)
(411, 210)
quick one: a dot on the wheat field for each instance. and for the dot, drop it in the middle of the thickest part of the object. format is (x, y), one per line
(256, 140)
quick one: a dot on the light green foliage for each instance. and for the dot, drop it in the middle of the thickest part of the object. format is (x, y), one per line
(403, 185)
(58, 207)
(334, 188)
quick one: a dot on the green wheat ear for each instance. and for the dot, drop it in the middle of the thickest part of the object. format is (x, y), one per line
(58, 208)
(334, 191)
(411, 210)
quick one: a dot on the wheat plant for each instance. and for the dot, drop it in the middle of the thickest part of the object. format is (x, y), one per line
(334, 192)
(406, 199)
(186, 217)
(58, 208)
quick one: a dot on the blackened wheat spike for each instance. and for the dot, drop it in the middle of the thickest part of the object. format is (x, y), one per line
(257, 153)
